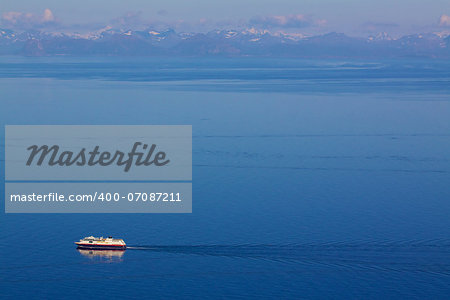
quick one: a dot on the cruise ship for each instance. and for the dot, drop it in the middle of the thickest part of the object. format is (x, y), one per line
(101, 243)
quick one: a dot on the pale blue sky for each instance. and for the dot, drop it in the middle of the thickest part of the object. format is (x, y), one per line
(345, 16)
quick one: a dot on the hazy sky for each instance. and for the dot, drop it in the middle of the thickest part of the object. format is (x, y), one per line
(350, 16)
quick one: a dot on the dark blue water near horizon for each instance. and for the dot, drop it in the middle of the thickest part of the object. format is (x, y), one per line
(311, 179)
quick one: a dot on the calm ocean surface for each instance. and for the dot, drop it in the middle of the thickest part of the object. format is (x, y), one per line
(311, 179)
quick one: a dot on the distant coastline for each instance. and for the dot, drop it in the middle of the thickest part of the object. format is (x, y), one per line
(228, 43)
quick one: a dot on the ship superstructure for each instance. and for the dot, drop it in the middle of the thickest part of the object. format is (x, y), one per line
(101, 243)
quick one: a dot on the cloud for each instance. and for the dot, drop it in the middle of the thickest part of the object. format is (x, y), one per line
(444, 21)
(48, 16)
(129, 19)
(25, 20)
(162, 12)
(138, 21)
(377, 26)
(289, 21)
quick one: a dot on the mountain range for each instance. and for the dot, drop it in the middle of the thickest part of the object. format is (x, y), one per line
(248, 42)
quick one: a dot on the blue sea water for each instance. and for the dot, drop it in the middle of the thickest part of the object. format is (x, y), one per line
(311, 179)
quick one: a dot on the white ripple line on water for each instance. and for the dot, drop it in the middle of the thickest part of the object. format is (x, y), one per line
(324, 169)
